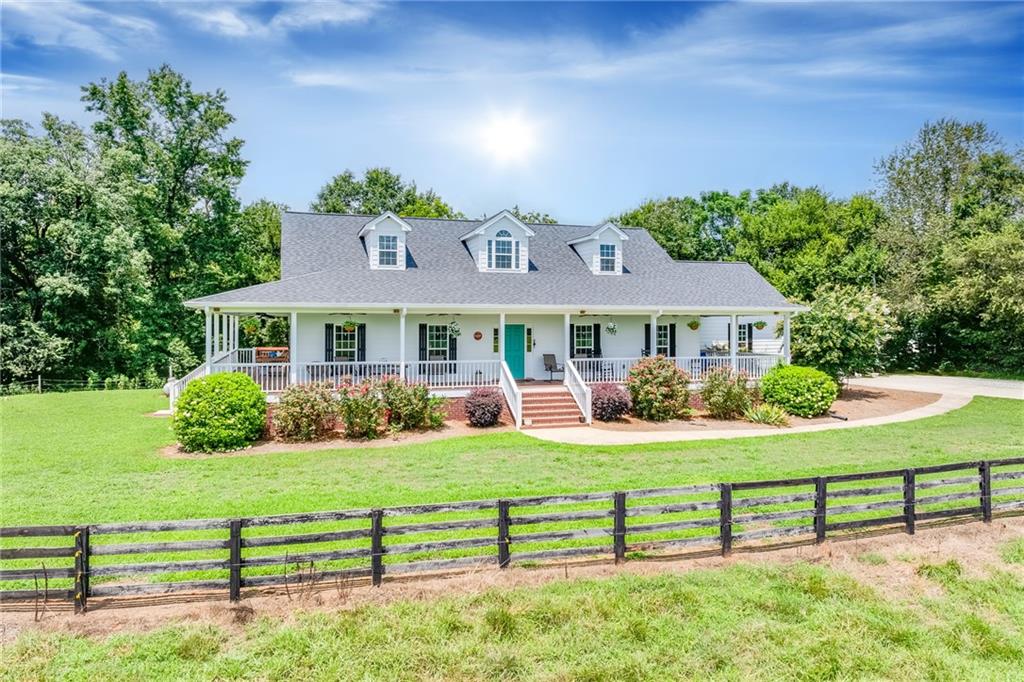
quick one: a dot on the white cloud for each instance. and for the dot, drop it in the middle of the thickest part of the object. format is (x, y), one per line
(753, 48)
(319, 14)
(238, 20)
(75, 25)
(13, 82)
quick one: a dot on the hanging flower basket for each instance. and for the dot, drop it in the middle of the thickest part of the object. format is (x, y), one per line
(349, 325)
(612, 328)
(760, 324)
(454, 329)
(693, 324)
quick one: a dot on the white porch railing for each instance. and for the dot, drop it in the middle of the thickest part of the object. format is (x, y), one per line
(581, 393)
(457, 374)
(513, 395)
(603, 370)
(338, 373)
(178, 386)
(272, 377)
(616, 370)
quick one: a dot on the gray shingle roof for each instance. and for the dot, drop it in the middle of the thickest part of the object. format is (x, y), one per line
(323, 261)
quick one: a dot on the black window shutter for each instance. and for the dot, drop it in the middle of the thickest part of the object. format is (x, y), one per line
(728, 334)
(750, 337)
(647, 339)
(329, 342)
(361, 343)
(672, 340)
(423, 342)
(597, 339)
(572, 340)
(453, 351)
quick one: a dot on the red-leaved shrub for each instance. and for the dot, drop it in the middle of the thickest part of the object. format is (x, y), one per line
(609, 402)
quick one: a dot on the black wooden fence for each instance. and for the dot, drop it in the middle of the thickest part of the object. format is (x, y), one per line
(358, 546)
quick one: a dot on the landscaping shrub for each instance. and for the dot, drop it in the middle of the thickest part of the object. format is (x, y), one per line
(768, 414)
(609, 402)
(803, 391)
(306, 412)
(410, 406)
(220, 412)
(361, 410)
(484, 406)
(726, 394)
(659, 390)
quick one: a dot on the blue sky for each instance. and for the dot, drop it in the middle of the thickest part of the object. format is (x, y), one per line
(579, 110)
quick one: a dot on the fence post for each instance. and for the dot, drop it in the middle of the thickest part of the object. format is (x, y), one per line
(725, 517)
(820, 498)
(985, 470)
(619, 527)
(504, 554)
(377, 547)
(81, 569)
(235, 559)
(909, 496)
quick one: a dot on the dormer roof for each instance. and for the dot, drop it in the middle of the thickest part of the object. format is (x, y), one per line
(596, 234)
(387, 215)
(482, 227)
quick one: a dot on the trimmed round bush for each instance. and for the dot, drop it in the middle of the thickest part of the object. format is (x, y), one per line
(659, 390)
(725, 393)
(306, 412)
(609, 402)
(801, 391)
(220, 412)
(484, 406)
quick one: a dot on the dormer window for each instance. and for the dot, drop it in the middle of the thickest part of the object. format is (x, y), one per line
(607, 257)
(387, 250)
(500, 244)
(384, 237)
(503, 250)
(601, 249)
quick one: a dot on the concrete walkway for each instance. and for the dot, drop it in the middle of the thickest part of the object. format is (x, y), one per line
(956, 392)
(995, 388)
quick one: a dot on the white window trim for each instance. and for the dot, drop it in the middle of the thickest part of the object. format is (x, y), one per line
(442, 330)
(576, 347)
(341, 341)
(657, 340)
(601, 259)
(397, 265)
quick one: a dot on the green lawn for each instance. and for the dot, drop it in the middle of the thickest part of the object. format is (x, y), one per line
(800, 622)
(93, 457)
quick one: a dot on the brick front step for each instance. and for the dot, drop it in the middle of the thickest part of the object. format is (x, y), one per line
(550, 407)
(552, 422)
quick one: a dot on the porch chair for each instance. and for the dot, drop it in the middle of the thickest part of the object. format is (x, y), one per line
(552, 367)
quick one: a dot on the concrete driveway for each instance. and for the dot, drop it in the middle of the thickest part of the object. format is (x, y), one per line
(995, 388)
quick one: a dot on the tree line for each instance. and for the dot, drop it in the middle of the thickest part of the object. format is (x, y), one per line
(108, 228)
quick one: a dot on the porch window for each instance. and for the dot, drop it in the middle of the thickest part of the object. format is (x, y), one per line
(607, 257)
(661, 342)
(503, 250)
(742, 337)
(387, 249)
(345, 344)
(437, 342)
(584, 340)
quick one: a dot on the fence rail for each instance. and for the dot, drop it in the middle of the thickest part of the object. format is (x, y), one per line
(616, 370)
(120, 559)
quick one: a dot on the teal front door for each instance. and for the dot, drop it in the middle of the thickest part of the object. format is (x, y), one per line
(515, 349)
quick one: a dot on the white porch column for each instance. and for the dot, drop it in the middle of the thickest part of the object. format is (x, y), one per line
(734, 340)
(652, 338)
(234, 332)
(566, 341)
(209, 338)
(401, 344)
(501, 337)
(785, 337)
(293, 348)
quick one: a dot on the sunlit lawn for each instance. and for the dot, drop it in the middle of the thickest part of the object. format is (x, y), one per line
(94, 457)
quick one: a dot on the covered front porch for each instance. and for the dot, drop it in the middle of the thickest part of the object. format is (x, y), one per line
(454, 351)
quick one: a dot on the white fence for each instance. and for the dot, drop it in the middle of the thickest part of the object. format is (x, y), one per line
(580, 391)
(616, 370)
(272, 377)
(513, 395)
(339, 373)
(458, 374)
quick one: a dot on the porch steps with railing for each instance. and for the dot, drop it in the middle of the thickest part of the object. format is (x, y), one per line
(549, 406)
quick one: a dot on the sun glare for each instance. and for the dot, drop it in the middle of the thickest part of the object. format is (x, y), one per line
(508, 138)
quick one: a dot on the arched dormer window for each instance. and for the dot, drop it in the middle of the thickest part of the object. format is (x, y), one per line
(503, 251)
